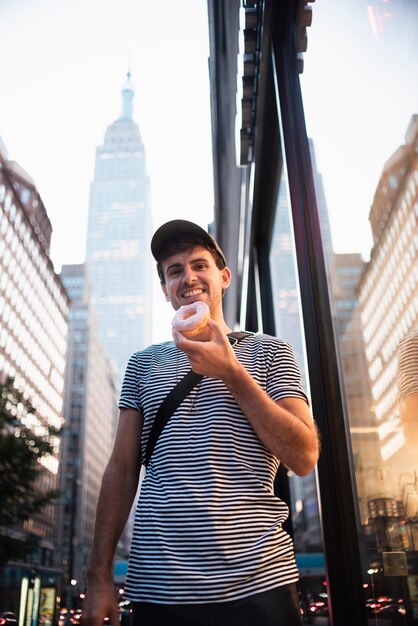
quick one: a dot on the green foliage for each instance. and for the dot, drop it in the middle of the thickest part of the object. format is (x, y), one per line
(24, 440)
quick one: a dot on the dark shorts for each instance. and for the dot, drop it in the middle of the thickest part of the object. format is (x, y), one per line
(278, 607)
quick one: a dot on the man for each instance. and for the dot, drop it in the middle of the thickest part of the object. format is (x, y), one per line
(208, 545)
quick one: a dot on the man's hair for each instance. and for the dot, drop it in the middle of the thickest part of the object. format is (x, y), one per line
(182, 243)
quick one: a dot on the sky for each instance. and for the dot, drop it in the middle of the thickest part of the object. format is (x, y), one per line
(62, 65)
(360, 90)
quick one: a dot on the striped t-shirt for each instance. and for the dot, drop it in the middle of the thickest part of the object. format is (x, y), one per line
(208, 527)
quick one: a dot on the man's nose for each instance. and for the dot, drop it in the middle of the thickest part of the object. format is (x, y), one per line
(189, 275)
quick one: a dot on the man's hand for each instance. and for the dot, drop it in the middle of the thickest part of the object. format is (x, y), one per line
(285, 427)
(213, 357)
(100, 602)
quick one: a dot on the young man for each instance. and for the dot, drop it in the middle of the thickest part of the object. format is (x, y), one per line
(208, 544)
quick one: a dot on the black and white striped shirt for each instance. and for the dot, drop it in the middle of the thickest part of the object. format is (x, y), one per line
(208, 527)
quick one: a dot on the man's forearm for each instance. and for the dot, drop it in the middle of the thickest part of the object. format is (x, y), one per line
(119, 485)
(115, 502)
(290, 435)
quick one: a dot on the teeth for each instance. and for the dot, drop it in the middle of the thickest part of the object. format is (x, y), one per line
(193, 292)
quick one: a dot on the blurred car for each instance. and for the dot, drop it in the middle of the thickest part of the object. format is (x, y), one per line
(318, 606)
(68, 618)
(385, 606)
(8, 617)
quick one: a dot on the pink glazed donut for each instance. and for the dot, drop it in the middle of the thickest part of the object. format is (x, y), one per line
(191, 319)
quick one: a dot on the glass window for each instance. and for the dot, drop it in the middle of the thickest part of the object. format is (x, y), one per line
(365, 132)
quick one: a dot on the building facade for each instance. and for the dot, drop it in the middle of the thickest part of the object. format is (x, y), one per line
(388, 296)
(391, 281)
(33, 344)
(90, 409)
(119, 230)
(356, 381)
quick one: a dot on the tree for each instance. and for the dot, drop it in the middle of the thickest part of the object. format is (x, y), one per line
(24, 442)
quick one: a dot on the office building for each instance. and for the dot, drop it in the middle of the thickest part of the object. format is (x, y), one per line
(33, 343)
(288, 323)
(90, 409)
(388, 290)
(119, 230)
(355, 376)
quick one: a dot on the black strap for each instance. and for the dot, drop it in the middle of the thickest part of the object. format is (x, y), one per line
(167, 408)
(174, 398)
(237, 336)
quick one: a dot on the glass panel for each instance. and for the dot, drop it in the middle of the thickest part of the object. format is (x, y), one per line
(304, 510)
(360, 97)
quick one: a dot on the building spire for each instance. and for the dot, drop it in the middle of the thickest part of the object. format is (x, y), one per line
(127, 98)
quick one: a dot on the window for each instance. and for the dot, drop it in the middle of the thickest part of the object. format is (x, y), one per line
(374, 176)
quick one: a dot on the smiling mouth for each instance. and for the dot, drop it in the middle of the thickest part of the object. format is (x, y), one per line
(190, 293)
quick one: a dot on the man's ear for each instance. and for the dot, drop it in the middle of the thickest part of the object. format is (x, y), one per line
(165, 292)
(226, 277)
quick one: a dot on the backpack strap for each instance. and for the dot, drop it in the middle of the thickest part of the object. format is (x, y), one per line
(166, 409)
(175, 397)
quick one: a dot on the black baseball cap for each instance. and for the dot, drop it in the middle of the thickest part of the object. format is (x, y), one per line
(176, 228)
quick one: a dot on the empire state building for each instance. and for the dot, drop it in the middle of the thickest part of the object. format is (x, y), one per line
(118, 235)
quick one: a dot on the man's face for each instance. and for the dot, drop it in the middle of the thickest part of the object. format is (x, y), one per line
(192, 275)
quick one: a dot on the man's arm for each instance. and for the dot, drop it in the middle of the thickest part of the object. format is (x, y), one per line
(119, 486)
(286, 427)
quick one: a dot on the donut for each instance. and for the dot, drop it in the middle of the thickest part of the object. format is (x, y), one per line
(191, 319)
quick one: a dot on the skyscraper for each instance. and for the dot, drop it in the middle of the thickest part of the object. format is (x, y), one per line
(119, 229)
(388, 292)
(305, 514)
(90, 407)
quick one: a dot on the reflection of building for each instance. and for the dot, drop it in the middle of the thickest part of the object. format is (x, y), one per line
(323, 215)
(407, 384)
(286, 296)
(118, 238)
(388, 300)
(349, 268)
(90, 411)
(283, 267)
(388, 289)
(33, 339)
(305, 514)
(407, 388)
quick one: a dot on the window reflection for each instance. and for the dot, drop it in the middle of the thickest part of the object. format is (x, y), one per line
(366, 133)
(304, 509)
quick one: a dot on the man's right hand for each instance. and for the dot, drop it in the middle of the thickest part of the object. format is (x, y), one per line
(100, 603)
